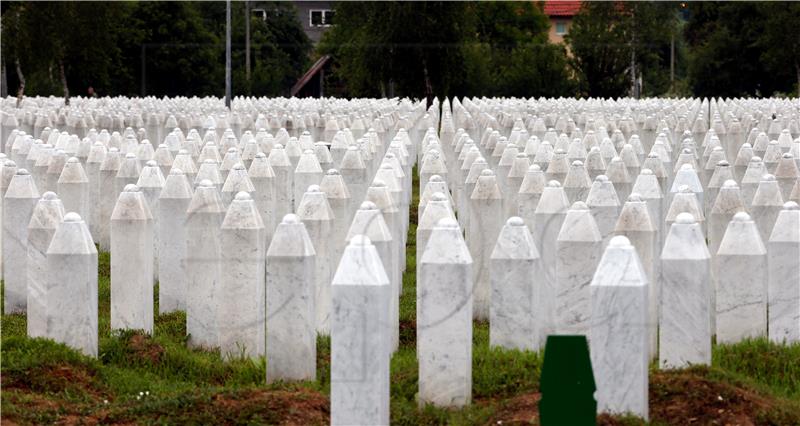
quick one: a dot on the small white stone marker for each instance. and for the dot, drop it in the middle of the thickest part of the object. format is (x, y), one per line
(284, 181)
(548, 218)
(604, 204)
(360, 339)
(635, 224)
(173, 202)
(18, 205)
(47, 215)
(354, 173)
(241, 292)
(741, 274)
(108, 196)
(485, 222)
(132, 262)
(685, 324)
(515, 272)
(444, 318)
(236, 182)
(308, 172)
(291, 313)
(767, 204)
(784, 276)
(369, 221)
(620, 329)
(530, 191)
(71, 293)
(203, 221)
(317, 216)
(95, 159)
(578, 250)
(263, 179)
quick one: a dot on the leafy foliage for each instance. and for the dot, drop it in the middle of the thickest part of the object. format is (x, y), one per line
(428, 49)
(154, 48)
(607, 37)
(743, 48)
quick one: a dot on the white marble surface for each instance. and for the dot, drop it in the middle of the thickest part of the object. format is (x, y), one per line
(318, 218)
(605, 205)
(173, 202)
(636, 225)
(291, 303)
(767, 203)
(132, 262)
(741, 273)
(548, 219)
(515, 270)
(578, 251)
(444, 319)
(242, 286)
(685, 324)
(18, 205)
(71, 293)
(47, 215)
(360, 342)
(108, 196)
(619, 331)
(369, 221)
(203, 221)
(486, 220)
(784, 276)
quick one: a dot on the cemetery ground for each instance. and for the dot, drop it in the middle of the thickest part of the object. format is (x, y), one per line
(157, 379)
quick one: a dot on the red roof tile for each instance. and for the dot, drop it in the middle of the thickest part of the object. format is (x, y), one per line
(562, 8)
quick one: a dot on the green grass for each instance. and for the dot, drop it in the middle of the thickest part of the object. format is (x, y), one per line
(158, 379)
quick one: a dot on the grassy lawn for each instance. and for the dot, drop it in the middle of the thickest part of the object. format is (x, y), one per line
(145, 379)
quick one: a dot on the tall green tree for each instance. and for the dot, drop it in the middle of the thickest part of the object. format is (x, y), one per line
(743, 48)
(615, 43)
(422, 49)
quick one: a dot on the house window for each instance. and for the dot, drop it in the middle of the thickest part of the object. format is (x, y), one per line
(320, 18)
(561, 28)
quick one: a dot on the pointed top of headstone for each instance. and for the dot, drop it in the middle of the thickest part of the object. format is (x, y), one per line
(72, 236)
(369, 221)
(635, 216)
(446, 244)
(176, 185)
(206, 199)
(22, 186)
(768, 192)
(741, 238)
(579, 225)
(602, 193)
(620, 265)
(787, 225)
(360, 265)
(48, 213)
(242, 214)
(685, 240)
(314, 205)
(486, 187)
(515, 241)
(73, 172)
(131, 205)
(291, 239)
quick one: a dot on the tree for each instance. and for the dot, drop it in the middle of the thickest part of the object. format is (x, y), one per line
(153, 48)
(615, 43)
(445, 49)
(743, 48)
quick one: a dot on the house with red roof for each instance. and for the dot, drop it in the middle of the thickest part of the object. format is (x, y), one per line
(560, 13)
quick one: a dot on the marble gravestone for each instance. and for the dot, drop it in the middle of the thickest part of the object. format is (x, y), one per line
(444, 318)
(240, 295)
(71, 291)
(46, 217)
(132, 262)
(685, 323)
(741, 274)
(514, 268)
(360, 339)
(619, 330)
(291, 304)
(784, 275)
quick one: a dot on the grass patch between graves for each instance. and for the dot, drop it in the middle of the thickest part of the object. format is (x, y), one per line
(158, 380)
